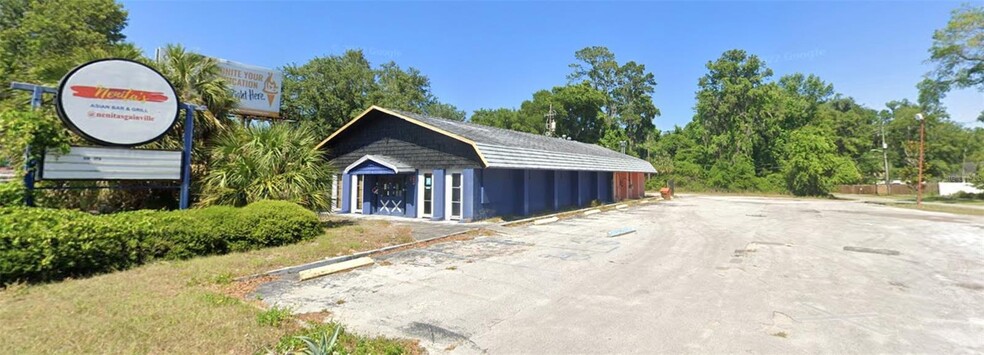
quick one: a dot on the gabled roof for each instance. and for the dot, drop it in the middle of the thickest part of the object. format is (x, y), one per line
(503, 148)
(393, 164)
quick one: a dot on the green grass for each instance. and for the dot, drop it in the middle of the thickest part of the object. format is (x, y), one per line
(273, 317)
(938, 208)
(188, 306)
(952, 200)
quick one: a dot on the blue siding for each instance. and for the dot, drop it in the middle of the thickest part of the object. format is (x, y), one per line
(368, 181)
(346, 193)
(468, 195)
(438, 205)
(370, 167)
(566, 188)
(411, 195)
(540, 190)
(593, 186)
(584, 188)
(605, 187)
(501, 193)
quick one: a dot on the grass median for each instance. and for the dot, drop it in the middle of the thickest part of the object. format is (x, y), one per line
(188, 306)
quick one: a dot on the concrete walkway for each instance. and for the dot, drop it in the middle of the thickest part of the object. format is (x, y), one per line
(883, 200)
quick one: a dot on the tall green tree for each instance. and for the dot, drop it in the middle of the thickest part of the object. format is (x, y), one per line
(577, 111)
(958, 50)
(577, 108)
(41, 40)
(198, 80)
(629, 88)
(946, 142)
(811, 165)
(506, 118)
(331, 90)
(731, 102)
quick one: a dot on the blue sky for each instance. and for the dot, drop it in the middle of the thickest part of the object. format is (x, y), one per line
(496, 54)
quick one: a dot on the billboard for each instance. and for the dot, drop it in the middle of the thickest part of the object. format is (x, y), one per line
(256, 88)
(117, 102)
(97, 163)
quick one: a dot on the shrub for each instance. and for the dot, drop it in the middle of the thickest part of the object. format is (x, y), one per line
(276, 223)
(39, 244)
(276, 162)
(11, 194)
(978, 179)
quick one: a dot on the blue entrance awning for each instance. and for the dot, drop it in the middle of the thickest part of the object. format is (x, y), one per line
(378, 165)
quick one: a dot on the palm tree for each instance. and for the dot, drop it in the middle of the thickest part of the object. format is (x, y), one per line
(198, 81)
(277, 162)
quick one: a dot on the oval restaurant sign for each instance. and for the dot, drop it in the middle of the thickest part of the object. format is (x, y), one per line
(117, 102)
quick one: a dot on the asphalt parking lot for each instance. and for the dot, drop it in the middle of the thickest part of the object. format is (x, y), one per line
(703, 274)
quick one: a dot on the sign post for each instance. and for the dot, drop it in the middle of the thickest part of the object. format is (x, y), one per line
(37, 96)
(189, 128)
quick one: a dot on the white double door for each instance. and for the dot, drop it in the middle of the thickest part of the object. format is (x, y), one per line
(452, 195)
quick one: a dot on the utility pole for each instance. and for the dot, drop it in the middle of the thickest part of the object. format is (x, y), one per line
(963, 167)
(888, 186)
(922, 140)
(551, 122)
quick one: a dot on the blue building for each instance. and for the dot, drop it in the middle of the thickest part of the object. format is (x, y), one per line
(404, 164)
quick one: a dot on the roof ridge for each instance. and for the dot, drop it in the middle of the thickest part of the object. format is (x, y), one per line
(511, 131)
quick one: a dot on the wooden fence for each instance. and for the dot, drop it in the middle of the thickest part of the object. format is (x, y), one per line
(897, 189)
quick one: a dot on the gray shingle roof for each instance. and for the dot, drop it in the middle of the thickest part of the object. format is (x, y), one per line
(503, 148)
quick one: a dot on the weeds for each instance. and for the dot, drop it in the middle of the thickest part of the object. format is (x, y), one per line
(333, 337)
(274, 317)
(219, 299)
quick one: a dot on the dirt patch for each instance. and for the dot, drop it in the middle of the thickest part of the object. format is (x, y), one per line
(242, 289)
(313, 317)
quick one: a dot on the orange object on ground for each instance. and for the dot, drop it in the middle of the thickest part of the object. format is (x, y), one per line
(665, 192)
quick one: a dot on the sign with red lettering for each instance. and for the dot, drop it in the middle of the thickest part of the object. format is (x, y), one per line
(117, 102)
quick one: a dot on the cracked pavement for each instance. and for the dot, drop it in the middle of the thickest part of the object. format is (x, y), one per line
(702, 274)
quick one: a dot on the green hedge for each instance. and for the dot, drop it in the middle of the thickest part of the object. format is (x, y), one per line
(40, 244)
(11, 194)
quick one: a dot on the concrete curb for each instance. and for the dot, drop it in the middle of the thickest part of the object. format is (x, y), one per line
(578, 212)
(334, 260)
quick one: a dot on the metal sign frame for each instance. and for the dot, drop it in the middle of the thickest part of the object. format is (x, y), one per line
(31, 166)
